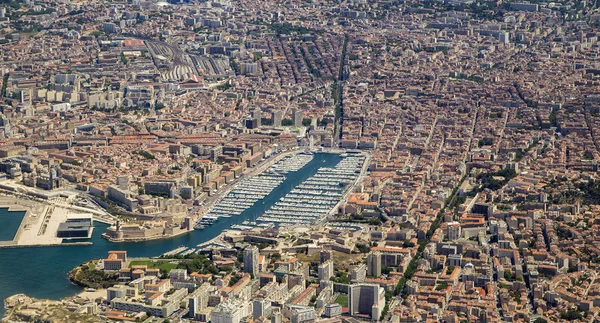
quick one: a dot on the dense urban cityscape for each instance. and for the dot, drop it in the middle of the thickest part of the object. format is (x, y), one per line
(299, 161)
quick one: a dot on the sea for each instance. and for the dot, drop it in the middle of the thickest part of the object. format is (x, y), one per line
(41, 272)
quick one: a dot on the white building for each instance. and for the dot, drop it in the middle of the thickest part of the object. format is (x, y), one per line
(332, 310)
(231, 311)
(454, 231)
(325, 270)
(366, 299)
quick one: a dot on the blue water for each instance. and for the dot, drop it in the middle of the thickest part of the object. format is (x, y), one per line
(10, 223)
(42, 272)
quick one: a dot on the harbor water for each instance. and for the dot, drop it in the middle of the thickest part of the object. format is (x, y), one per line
(10, 223)
(41, 272)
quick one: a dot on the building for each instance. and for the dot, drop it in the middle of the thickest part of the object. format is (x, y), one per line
(358, 273)
(366, 299)
(300, 314)
(231, 311)
(297, 118)
(193, 306)
(123, 182)
(374, 264)
(252, 124)
(256, 115)
(260, 307)
(11, 151)
(164, 307)
(178, 275)
(122, 197)
(325, 270)
(198, 301)
(120, 291)
(251, 260)
(75, 228)
(249, 68)
(332, 310)
(325, 255)
(115, 260)
(454, 231)
(504, 37)
(276, 117)
(277, 316)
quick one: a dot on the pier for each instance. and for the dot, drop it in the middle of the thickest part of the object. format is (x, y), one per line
(313, 200)
(251, 190)
(306, 203)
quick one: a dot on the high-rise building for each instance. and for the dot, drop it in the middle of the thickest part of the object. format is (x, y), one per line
(297, 117)
(256, 115)
(277, 316)
(358, 273)
(192, 306)
(325, 270)
(504, 37)
(325, 255)
(261, 307)
(374, 264)
(198, 300)
(123, 182)
(454, 231)
(232, 310)
(276, 117)
(366, 299)
(252, 124)
(251, 260)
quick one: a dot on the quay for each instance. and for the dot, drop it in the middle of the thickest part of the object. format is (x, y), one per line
(3, 245)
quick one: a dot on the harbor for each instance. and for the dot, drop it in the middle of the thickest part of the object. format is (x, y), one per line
(314, 199)
(253, 189)
(58, 260)
(306, 203)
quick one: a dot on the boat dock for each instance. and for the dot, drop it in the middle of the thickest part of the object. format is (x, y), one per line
(312, 200)
(253, 189)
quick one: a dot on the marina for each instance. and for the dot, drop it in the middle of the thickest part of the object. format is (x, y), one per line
(312, 200)
(253, 189)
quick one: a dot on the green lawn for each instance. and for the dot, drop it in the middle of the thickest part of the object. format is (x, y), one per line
(342, 299)
(160, 264)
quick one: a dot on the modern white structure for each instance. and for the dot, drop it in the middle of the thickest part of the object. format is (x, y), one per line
(325, 270)
(366, 299)
(231, 311)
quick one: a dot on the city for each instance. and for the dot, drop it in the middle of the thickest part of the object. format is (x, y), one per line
(299, 161)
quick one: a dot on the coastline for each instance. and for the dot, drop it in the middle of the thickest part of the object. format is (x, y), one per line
(60, 287)
(82, 243)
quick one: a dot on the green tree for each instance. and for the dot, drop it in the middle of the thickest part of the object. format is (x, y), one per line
(571, 315)
(164, 273)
